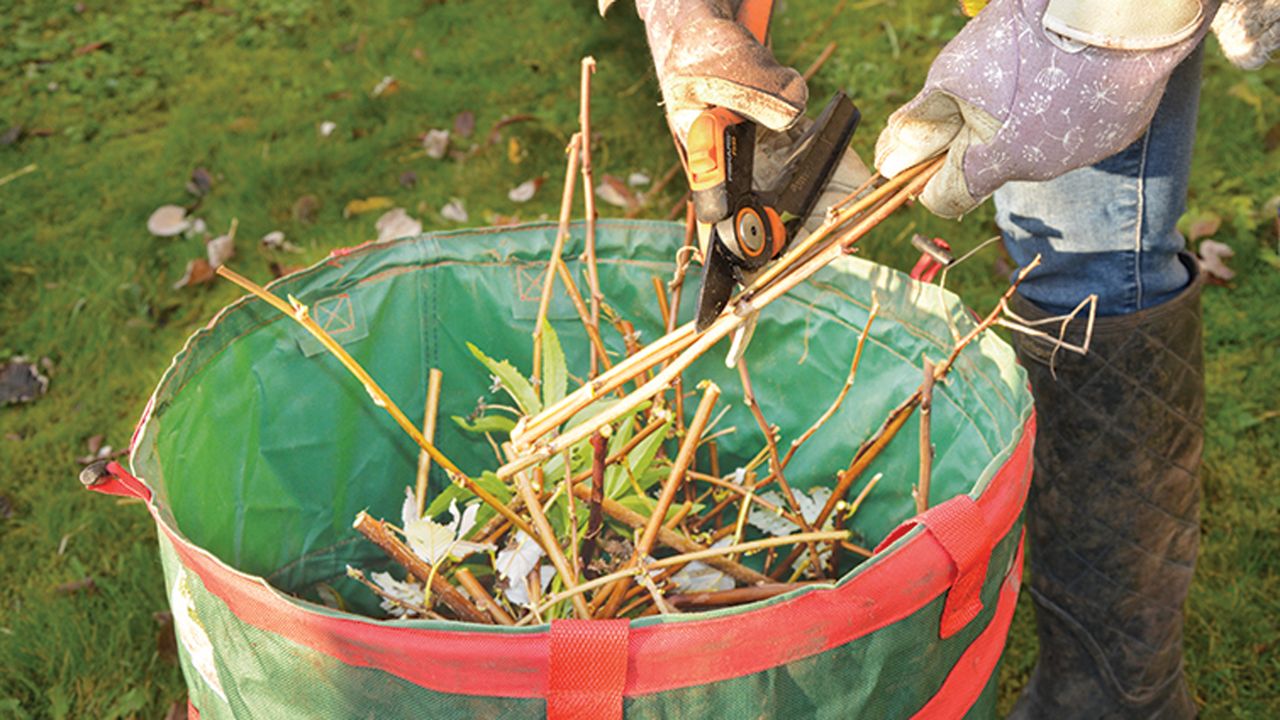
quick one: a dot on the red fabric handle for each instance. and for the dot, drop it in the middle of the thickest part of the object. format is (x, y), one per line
(960, 529)
(588, 669)
(120, 482)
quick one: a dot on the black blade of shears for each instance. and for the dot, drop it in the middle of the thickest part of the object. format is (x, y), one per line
(719, 277)
(816, 158)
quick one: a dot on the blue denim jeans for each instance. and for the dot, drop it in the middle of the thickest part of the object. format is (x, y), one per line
(1111, 228)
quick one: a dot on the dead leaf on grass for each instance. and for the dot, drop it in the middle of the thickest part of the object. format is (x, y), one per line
(6, 507)
(1213, 257)
(388, 85)
(436, 143)
(276, 242)
(464, 123)
(638, 179)
(201, 182)
(614, 191)
(168, 221)
(21, 382)
(278, 270)
(515, 151)
(222, 248)
(408, 179)
(84, 584)
(11, 136)
(361, 206)
(198, 272)
(525, 191)
(396, 223)
(1201, 225)
(326, 128)
(305, 209)
(455, 211)
(90, 47)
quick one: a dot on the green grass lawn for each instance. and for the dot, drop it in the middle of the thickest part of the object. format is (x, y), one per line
(119, 102)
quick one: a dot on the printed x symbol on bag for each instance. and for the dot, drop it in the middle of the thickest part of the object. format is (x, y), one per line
(529, 281)
(335, 314)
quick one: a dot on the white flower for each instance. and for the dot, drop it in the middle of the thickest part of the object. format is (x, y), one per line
(432, 541)
(406, 592)
(519, 561)
(517, 588)
(700, 577)
(771, 523)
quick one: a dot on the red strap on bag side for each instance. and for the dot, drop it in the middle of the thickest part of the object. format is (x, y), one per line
(588, 669)
(960, 529)
(118, 481)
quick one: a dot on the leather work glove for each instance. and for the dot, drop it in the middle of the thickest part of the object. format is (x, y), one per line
(1031, 89)
(705, 57)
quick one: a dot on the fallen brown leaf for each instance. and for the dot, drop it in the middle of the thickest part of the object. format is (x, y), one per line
(89, 47)
(1213, 257)
(305, 209)
(84, 584)
(464, 123)
(615, 192)
(21, 382)
(198, 273)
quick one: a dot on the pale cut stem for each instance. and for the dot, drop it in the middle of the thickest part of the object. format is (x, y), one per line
(434, 380)
(589, 196)
(380, 398)
(562, 233)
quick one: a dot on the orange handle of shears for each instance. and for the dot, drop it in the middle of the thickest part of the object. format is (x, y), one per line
(705, 142)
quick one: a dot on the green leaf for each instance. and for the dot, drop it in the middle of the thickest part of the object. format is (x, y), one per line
(555, 374)
(487, 481)
(516, 385)
(641, 456)
(486, 424)
(615, 476)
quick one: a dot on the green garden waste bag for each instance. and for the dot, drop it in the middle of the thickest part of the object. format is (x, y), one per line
(257, 450)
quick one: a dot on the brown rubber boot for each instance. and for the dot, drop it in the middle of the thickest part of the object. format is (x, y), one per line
(1113, 512)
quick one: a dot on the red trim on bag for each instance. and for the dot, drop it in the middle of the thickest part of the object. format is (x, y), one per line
(972, 672)
(588, 669)
(120, 482)
(664, 656)
(192, 712)
(959, 526)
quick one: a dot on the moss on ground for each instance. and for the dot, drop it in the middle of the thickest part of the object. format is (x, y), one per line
(241, 86)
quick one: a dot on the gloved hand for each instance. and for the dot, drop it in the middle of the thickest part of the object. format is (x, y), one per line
(1031, 89)
(704, 57)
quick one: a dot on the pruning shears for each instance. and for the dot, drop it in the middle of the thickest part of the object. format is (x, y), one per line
(750, 226)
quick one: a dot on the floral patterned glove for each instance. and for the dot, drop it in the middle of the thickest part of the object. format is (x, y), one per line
(1031, 89)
